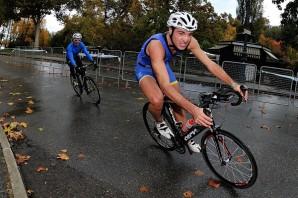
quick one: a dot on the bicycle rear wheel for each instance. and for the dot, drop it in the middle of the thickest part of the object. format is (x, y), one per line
(229, 159)
(162, 141)
(76, 85)
(92, 90)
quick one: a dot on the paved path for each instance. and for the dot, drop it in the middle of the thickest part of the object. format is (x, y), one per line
(111, 154)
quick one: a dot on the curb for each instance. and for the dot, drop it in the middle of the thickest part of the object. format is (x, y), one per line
(17, 185)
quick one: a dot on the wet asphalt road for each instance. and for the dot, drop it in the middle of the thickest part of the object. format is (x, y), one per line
(119, 155)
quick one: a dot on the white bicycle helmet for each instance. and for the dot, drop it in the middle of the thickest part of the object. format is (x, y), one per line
(182, 20)
(77, 35)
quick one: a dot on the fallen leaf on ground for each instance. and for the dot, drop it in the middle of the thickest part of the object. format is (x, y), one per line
(30, 102)
(29, 110)
(213, 183)
(3, 80)
(30, 192)
(2, 119)
(187, 194)
(239, 159)
(199, 173)
(20, 99)
(63, 155)
(63, 150)
(13, 125)
(144, 189)
(23, 124)
(10, 103)
(40, 129)
(22, 159)
(265, 127)
(140, 98)
(277, 126)
(28, 97)
(15, 136)
(41, 169)
(81, 156)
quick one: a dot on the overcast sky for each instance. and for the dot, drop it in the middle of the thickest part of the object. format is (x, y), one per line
(229, 6)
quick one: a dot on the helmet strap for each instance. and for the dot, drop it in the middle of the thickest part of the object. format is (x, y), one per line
(171, 37)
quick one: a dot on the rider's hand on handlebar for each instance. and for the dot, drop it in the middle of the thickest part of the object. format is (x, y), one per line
(242, 90)
(201, 118)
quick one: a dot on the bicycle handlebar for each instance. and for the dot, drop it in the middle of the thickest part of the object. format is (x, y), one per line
(91, 64)
(222, 95)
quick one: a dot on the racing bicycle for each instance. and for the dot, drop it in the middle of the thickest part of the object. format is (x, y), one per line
(226, 155)
(81, 82)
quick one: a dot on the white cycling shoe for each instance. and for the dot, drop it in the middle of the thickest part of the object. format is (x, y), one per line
(193, 146)
(163, 129)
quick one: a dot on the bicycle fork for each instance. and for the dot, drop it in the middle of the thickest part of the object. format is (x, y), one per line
(225, 149)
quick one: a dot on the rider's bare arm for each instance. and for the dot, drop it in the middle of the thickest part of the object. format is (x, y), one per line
(157, 54)
(214, 68)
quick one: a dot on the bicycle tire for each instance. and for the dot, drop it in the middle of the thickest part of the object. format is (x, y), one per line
(75, 83)
(241, 156)
(92, 90)
(164, 143)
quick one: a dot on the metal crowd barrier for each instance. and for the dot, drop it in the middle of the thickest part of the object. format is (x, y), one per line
(110, 64)
(244, 73)
(128, 66)
(196, 78)
(275, 82)
(296, 92)
(54, 60)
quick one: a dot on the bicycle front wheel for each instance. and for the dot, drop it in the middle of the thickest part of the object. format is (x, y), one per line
(229, 159)
(76, 85)
(163, 142)
(92, 90)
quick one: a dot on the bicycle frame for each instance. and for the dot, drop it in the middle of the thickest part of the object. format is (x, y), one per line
(195, 130)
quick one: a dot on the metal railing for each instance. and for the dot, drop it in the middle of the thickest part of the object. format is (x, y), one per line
(128, 66)
(296, 92)
(244, 73)
(110, 64)
(272, 82)
(275, 81)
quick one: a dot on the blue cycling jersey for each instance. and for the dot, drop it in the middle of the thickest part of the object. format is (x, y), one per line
(144, 67)
(74, 50)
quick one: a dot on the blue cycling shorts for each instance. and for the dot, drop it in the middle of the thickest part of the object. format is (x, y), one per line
(143, 71)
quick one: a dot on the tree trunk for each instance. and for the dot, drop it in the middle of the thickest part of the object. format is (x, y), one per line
(37, 31)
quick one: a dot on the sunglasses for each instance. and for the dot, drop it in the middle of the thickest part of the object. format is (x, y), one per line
(76, 40)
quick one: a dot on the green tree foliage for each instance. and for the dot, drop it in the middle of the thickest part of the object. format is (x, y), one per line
(38, 9)
(289, 22)
(248, 11)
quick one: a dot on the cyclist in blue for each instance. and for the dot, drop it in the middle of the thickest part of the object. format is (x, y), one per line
(156, 78)
(72, 53)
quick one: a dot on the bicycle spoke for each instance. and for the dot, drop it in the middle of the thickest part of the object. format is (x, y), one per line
(236, 166)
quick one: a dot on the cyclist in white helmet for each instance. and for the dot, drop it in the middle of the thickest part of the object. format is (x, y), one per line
(72, 53)
(156, 78)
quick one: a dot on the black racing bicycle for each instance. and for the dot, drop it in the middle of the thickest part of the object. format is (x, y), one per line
(227, 156)
(81, 82)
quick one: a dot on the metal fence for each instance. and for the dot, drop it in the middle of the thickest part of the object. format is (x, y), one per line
(244, 73)
(110, 64)
(196, 78)
(193, 76)
(275, 81)
(128, 71)
(296, 92)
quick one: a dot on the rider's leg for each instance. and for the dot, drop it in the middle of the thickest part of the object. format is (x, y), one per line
(179, 113)
(154, 95)
(181, 116)
(152, 91)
